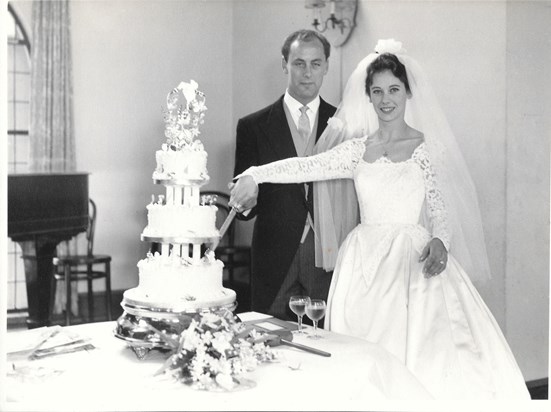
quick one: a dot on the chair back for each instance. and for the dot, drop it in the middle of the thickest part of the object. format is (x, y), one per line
(90, 231)
(221, 202)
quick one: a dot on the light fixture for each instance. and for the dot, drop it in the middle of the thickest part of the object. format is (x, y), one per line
(334, 18)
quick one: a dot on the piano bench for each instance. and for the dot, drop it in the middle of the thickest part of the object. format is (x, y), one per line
(82, 267)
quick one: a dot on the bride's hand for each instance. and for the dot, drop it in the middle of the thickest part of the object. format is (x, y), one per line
(435, 256)
(243, 194)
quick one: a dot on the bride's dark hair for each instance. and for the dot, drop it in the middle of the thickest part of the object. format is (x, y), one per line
(386, 61)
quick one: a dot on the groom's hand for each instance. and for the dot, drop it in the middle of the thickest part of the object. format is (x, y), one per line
(244, 194)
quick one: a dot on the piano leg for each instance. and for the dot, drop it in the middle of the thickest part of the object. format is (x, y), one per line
(38, 260)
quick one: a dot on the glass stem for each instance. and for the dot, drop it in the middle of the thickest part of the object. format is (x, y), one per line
(315, 328)
(299, 323)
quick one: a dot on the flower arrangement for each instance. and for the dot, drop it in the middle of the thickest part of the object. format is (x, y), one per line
(185, 112)
(214, 351)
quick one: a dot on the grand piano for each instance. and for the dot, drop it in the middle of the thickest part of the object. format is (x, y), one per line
(44, 210)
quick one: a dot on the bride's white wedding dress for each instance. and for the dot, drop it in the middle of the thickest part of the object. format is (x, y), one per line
(439, 327)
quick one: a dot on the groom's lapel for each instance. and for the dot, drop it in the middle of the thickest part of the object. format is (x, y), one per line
(324, 113)
(278, 133)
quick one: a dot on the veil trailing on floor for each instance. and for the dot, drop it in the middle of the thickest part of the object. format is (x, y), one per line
(335, 201)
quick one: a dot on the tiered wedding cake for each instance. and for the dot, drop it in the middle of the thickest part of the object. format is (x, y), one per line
(179, 278)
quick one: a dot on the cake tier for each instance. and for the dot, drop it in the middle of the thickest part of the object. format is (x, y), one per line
(172, 282)
(185, 164)
(180, 221)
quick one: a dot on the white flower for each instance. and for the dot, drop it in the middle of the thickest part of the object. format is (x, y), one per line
(189, 90)
(389, 46)
(335, 122)
(221, 342)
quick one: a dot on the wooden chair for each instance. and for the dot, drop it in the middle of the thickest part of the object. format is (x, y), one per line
(233, 256)
(83, 267)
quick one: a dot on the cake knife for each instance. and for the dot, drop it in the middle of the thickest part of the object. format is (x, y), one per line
(224, 228)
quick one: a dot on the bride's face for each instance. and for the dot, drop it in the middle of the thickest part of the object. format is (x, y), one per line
(389, 96)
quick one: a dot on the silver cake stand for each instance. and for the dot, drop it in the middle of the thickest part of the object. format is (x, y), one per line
(145, 326)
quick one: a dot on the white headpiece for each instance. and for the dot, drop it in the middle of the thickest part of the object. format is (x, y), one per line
(335, 202)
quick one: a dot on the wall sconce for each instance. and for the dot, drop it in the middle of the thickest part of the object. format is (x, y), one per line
(334, 18)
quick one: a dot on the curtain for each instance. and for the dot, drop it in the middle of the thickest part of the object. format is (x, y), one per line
(51, 134)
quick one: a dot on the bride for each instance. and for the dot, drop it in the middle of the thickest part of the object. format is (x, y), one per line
(390, 151)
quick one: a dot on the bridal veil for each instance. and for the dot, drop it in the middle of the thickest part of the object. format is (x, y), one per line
(336, 206)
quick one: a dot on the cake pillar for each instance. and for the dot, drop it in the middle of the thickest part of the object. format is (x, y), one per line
(169, 195)
(165, 249)
(187, 196)
(177, 196)
(195, 195)
(196, 257)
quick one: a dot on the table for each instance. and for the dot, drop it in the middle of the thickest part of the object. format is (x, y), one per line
(111, 377)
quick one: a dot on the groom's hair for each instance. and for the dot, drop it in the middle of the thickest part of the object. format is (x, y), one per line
(386, 61)
(306, 36)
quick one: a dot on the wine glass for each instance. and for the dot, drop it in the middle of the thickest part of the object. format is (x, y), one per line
(298, 306)
(315, 310)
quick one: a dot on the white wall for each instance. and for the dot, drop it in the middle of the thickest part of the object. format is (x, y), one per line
(485, 59)
(527, 185)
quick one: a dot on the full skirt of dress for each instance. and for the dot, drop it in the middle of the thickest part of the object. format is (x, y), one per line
(439, 327)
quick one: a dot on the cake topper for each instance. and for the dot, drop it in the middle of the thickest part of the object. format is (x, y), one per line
(185, 107)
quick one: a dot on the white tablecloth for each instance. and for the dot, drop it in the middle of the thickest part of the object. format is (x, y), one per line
(358, 375)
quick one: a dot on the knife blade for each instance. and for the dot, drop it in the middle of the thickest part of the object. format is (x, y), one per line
(224, 228)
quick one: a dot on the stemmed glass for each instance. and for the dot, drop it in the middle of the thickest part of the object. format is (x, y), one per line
(315, 310)
(298, 306)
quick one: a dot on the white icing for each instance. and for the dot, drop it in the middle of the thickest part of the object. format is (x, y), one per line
(176, 282)
(186, 163)
(180, 221)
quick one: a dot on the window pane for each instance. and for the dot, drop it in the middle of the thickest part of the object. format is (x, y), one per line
(10, 77)
(20, 295)
(22, 116)
(11, 123)
(11, 246)
(11, 26)
(22, 152)
(19, 268)
(11, 296)
(11, 156)
(22, 87)
(12, 270)
(22, 60)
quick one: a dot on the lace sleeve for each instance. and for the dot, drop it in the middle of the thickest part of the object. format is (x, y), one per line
(436, 206)
(337, 163)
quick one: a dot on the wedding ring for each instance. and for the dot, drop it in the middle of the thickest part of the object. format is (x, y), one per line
(237, 206)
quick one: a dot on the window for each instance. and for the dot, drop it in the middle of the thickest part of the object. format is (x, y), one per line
(19, 86)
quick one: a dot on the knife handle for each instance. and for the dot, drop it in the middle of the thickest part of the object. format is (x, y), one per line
(305, 348)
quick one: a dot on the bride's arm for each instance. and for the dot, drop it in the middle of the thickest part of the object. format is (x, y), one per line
(436, 252)
(337, 163)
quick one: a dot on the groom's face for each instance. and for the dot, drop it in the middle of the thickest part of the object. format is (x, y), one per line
(305, 68)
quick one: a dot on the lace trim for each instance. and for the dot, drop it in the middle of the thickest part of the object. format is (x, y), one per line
(387, 160)
(435, 201)
(337, 163)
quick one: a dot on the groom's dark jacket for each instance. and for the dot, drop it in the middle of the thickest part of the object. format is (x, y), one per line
(281, 210)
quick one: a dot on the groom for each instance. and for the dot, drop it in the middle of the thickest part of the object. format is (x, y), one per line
(283, 236)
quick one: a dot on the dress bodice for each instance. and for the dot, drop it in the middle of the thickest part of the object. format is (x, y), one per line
(389, 192)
